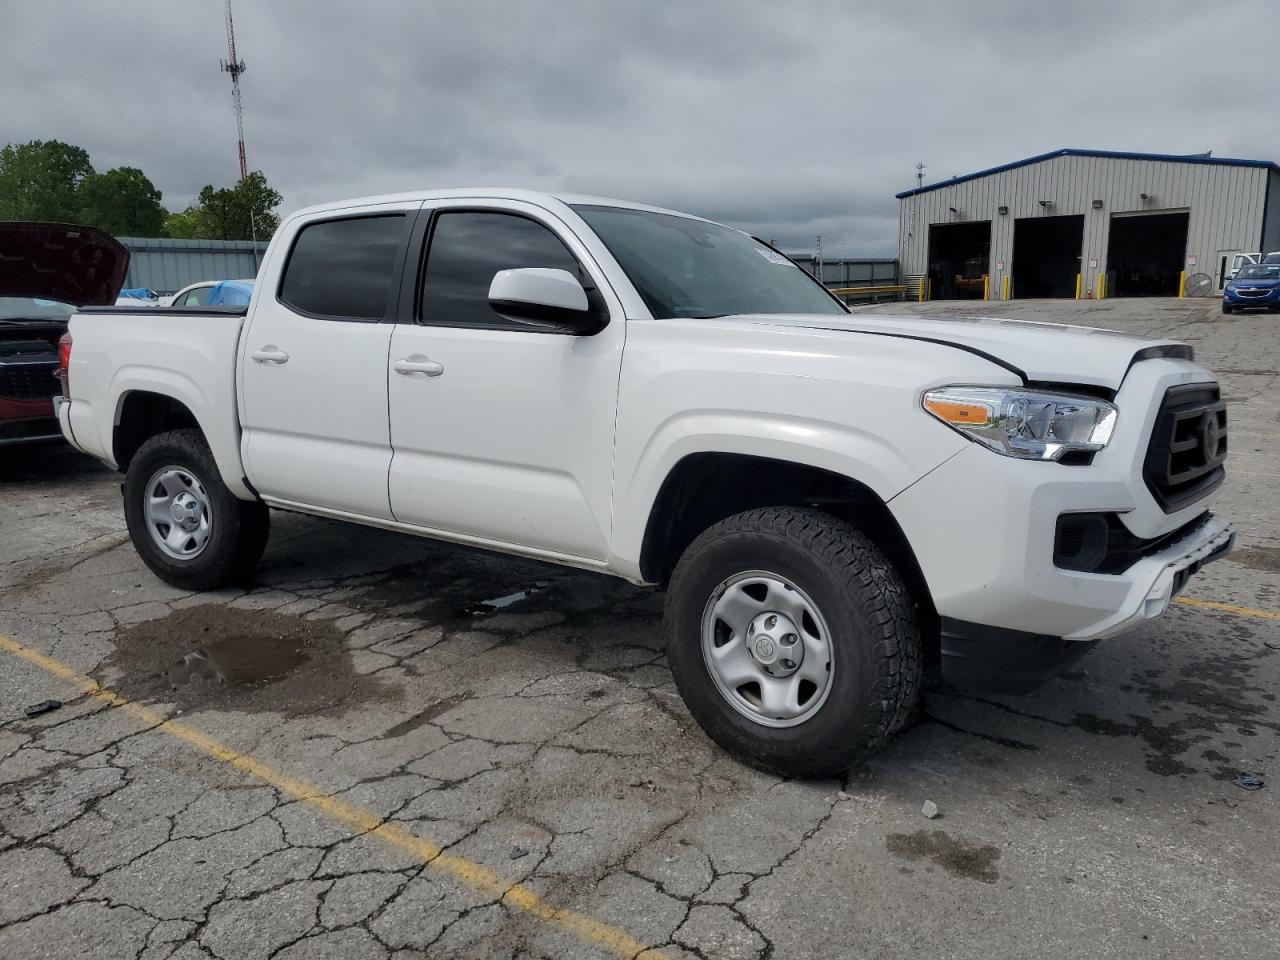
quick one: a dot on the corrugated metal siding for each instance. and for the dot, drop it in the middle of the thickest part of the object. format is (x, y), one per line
(1225, 203)
(848, 272)
(1271, 226)
(167, 265)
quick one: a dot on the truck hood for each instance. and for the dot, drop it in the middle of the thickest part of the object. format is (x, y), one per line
(1037, 352)
(59, 261)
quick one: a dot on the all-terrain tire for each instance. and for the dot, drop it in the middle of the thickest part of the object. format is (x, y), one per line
(874, 645)
(238, 528)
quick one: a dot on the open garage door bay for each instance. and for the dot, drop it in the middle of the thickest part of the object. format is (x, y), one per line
(959, 259)
(1146, 253)
(1046, 256)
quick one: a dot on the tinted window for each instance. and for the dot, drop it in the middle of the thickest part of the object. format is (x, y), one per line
(467, 249)
(343, 268)
(691, 268)
(195, 298)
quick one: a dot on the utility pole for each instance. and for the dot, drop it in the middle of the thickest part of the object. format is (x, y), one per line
(817, 263)
(235, 66)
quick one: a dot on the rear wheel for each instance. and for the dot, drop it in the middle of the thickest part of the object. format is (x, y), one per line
(186, 525)
(793, 640)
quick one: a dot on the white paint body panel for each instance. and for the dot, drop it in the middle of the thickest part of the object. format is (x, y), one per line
(190, 358)
(315, 426)
(554, 446)
(982, 526)
(512, 442)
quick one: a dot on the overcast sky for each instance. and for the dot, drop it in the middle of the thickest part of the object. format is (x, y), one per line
(789, 119)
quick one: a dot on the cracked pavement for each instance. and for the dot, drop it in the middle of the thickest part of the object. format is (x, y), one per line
(521, 718)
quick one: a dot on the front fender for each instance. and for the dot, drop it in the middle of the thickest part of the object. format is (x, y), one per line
(860, 455)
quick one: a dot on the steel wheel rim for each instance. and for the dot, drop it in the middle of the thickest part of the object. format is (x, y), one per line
(177, 511)
(765, 678)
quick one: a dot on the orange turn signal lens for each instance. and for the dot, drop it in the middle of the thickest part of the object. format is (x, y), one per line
(953, 411)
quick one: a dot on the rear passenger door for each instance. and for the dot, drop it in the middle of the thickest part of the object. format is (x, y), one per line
(502, 432)
(313, 381)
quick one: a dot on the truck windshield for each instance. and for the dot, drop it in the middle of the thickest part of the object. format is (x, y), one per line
(691, 268)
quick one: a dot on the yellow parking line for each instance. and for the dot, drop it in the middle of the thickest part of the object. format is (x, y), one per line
(1228, 608)
(356, 818)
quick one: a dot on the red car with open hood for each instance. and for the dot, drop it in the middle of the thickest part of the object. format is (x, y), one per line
(47, 270)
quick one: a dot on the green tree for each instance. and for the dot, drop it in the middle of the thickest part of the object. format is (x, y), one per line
(40, 180)
(186, 224)
(230, 213)
(122, 202)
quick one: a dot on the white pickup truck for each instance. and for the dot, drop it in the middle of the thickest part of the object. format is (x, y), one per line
(829, 499)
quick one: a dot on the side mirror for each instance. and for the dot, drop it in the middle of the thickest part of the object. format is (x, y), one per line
(544, 297)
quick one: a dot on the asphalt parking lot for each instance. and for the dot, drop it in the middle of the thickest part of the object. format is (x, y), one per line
(392, 748)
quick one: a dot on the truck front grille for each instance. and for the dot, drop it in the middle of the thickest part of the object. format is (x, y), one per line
(28, 381)
(1188, 446)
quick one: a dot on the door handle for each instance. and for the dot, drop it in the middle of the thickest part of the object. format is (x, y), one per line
(417, 364)
(269, 354)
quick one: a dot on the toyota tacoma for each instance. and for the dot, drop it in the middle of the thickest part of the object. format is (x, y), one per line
(829, 499)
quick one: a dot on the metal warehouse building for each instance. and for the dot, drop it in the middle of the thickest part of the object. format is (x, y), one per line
(1089, 223)
(166, 265)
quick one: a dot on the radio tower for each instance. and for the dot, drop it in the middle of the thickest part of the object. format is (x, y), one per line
(235, 67)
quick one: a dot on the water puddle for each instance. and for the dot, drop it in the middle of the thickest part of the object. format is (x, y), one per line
(486, 607)
(240, 659)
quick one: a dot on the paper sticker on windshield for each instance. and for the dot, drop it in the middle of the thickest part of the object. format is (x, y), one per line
(773, 256)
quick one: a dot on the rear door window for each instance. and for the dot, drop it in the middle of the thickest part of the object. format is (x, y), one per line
(343, 269)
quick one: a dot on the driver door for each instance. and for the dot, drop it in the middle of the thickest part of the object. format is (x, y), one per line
(501, 431)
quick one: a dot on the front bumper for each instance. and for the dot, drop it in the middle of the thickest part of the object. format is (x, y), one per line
(26, 420)
(995, 659)
(982, 527)
(1270, 299)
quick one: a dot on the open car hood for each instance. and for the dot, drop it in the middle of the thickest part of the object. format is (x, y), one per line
(60, 261)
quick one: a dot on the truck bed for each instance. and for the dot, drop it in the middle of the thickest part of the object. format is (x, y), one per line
(120, 354)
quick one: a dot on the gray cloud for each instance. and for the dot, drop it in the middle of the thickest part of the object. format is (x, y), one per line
(789, 120)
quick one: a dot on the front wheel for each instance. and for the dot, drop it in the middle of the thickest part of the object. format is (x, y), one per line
(185, 524)
(793, 640)
(1227, 309)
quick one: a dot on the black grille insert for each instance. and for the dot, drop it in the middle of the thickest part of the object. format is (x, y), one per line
(28, 380)
(1188, 446)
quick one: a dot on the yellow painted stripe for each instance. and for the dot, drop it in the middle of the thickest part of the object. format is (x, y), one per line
(358, 819)
(1229, 608)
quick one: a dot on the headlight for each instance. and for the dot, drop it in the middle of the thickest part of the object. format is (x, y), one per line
(1024, 423)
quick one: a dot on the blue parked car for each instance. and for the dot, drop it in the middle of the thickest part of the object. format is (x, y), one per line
(1255, 285)
(231, 293)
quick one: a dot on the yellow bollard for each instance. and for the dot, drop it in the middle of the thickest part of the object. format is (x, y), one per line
(1077, 286)
(986, 287)
(1004, 288)
(1102, 285)
(1182, 284)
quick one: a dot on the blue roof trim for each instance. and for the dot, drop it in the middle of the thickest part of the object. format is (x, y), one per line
(1112, 154)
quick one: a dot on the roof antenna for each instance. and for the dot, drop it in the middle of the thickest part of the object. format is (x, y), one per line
(919, 174)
